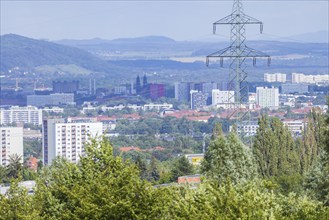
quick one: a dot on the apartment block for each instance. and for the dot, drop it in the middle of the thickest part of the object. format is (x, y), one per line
(295, 126)
(11, 143)
(247, 128)
(311, 79)
(267, 97)
(67, 140)
(182, 91)
(275, 77)
(222, 97)
(16, 114)
(198, 99)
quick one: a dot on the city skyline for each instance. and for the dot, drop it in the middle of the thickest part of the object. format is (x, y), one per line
(180, 20)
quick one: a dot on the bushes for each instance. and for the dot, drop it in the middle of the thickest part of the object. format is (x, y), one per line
(103, 186)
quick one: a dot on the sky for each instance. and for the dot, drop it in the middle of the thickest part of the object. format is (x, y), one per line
(180, 20)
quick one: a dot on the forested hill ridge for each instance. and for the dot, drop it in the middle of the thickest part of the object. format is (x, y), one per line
(167, 46)
(19, 51)
(120, 60)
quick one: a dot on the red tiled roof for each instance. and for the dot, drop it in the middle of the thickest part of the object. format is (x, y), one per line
(189, 114)
(105, 118)
(125, 149)
(32, 163)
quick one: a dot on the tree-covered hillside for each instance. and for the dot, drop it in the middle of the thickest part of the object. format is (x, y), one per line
(19, 51)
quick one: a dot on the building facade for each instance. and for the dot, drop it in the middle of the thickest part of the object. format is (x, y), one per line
(157, 107)
(11, 143)
(16, 114)
(67, 140)
(52, 99)
(65, 86)
(222, 97)
(246, 128)
(275, 77)
(289, 88)
(295, 126)
(267, 97)
(156, 90)
(311, 79)
(198, 99)
(182, 91)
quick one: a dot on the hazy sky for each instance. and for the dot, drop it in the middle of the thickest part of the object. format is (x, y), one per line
(181, 20)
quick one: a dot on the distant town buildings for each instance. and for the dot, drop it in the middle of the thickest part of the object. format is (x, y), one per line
(294, 126)
(246, 128)
(65, 86)
(275, 77)
(289, 88)
(120, 90)
(66, 139)
(16, 114)
(182, 91)
(157, 107)
(52, 99)
(195, 159)
(32, 163)
(252, 98)
(222, 97)
(311, 79)
(287, 100)
(53, 109)
(154, 90)
(267, 97)
(198, 99)
(11, 143)
(190, 179)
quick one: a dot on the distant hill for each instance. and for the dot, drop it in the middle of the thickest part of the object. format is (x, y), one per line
(153, 44)
(26, 52)
(164, 48)
(114, 61)
(146, 39)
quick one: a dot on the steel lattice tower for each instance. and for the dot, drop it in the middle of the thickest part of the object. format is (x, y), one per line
(238, 52)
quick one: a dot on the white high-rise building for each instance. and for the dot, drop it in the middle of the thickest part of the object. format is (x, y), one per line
(198, 99)
(67, 140)
(222, 97)
(301, 78)
(16, 114)
(267, 97)
(11, 143)
(275, 77)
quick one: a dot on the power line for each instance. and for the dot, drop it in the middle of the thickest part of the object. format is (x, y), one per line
(238, 52)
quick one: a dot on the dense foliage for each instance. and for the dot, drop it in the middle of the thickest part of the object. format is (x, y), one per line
(274, 180)
(228, 158)
(103, 186)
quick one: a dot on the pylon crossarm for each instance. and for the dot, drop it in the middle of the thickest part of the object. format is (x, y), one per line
(226, 20)
(232, 19)
(246, 52)
(250, 52)
(250, 20)
(227, 53)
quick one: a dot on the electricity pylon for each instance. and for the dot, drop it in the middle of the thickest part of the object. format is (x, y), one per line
(238, 52)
